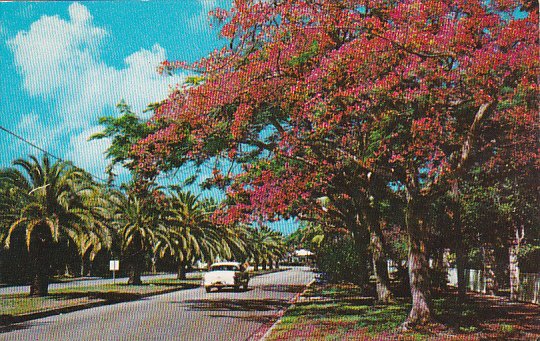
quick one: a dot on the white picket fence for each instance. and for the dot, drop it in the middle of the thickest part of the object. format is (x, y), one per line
(476, 281)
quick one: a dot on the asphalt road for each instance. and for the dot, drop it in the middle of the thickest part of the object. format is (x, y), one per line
(183, 315)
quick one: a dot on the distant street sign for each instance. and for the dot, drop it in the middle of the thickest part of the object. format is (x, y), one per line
(114, 265)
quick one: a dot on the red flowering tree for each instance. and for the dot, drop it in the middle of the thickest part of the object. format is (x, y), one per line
(342, 98)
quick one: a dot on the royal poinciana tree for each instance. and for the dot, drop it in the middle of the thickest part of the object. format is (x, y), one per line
(338, 98)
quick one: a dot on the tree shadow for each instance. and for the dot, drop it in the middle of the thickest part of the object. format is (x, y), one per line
(488, 314)
(289, 288)
(236, 304)
(8, 325)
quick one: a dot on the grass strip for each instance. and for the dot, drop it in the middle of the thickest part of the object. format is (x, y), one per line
(339, 312)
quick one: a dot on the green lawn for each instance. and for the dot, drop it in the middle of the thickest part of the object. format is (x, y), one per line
(337, 312)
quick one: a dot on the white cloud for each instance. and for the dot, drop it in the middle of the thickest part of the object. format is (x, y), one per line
(89, 154)
(36, 131)
(59, 60)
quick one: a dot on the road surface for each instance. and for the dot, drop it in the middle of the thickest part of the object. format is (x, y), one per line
(183, 315)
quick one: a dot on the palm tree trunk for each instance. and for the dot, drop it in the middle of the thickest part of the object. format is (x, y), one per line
(40, 278)
(181, 271)
(39, 256)
(82, 266)
(134, 274)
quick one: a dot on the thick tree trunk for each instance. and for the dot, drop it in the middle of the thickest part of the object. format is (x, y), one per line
(361, 242)
(134, 274)
(135, 263)
(489, 273)
(264, 264)
(420, 313)
(181, 271)
(39, 256)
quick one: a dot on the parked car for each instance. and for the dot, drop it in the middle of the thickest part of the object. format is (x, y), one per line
(226, 274)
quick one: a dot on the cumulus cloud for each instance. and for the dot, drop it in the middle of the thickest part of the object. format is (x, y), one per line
(59, 60)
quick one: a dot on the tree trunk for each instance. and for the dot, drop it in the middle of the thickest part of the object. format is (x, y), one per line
(39, 255)
(513, 252)
(457, 237)
(270, 263)
(361, 242)
(154, 267)
(82, 267)
(514, 271)
(378, 251)
(134, 274)
(489, 273)
(264, 264)
(420, 313)
(135, 262)
(460, 269)
(181, 271)
(256, 265)
(439, 271)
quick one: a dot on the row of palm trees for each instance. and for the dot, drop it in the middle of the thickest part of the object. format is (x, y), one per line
(49, 202)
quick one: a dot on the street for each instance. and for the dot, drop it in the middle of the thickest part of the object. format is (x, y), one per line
(184, 315)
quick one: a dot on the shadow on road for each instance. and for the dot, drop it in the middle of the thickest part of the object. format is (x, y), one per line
(283, 288)
(249, 318)
(11, 327)
(236, 304)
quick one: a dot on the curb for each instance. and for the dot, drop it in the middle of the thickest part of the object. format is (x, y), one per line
(257, 335)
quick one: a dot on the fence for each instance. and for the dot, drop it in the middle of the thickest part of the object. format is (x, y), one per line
(476, 281)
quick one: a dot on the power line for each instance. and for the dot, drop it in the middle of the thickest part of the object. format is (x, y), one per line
(46, 152)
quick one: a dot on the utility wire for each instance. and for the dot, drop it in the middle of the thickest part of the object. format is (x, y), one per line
(45, 151)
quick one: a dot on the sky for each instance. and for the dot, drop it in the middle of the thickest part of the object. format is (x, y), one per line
(65, 64)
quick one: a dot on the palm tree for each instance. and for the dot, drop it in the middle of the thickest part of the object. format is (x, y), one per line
(191, 233)
(137, 223)
(266, 246)
(49, 205)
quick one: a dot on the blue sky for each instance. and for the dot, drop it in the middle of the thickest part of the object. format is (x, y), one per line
(65, 64)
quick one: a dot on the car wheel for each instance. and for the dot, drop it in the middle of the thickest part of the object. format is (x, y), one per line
(208, 289)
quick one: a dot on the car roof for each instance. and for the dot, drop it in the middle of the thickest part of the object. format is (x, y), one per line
(225, 263)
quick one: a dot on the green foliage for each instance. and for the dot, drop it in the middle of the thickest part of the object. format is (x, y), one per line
(340, 260)
(124, 131)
